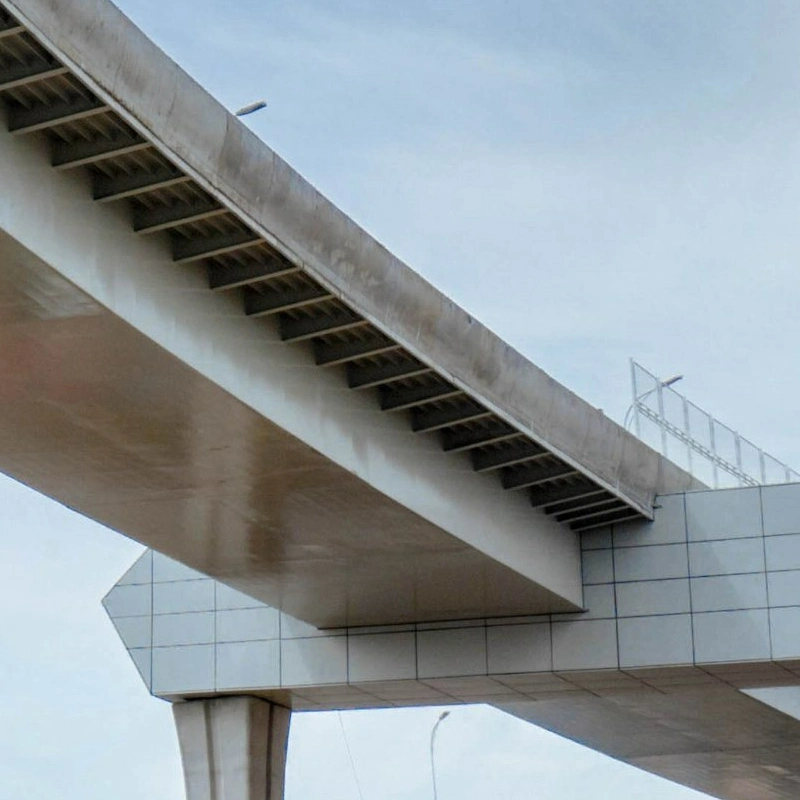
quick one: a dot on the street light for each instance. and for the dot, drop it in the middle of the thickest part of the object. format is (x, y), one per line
(251, 108)
(639, 398)
(442, 717)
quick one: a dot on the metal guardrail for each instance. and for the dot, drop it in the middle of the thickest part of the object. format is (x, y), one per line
(695, 440)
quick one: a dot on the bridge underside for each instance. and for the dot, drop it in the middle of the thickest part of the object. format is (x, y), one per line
(243, 378)
(201, 352)
(98, 416)
(683, 664)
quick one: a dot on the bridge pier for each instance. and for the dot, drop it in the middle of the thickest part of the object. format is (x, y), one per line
(232, 748)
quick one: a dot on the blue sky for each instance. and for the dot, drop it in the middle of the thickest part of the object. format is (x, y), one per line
(594, 180)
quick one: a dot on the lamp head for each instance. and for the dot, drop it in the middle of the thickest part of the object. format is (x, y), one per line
(251, 108)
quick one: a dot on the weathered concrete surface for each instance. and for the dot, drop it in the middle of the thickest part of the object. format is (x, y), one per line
(113, 57)
(135, 395)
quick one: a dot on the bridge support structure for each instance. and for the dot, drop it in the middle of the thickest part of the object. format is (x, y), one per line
(233, 748)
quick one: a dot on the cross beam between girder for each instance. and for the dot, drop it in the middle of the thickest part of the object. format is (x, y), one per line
(13, 77)
(106, 189)
(537, 473)
(45, 115)
(80, 153)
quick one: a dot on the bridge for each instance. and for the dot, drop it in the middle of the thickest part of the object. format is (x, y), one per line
(355, 494)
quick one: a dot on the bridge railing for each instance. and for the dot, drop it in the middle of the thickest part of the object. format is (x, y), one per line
(695, 440)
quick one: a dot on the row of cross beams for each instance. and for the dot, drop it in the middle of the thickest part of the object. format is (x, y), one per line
(41, 95)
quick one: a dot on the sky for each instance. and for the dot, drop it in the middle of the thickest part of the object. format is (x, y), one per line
(593, 180)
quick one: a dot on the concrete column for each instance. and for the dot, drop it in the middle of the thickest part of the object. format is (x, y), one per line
(232, 748)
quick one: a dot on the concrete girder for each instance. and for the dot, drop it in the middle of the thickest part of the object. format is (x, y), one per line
(160, 410)
(9, 28)
(463, 439)
(366, 376)
(307, 230)
(219, 485)
(24, 120)
(299, 329)
(159, 218)
(598, 508)
(424, 420)
(578, 503)
(262, 304)
(233, 275)
(602, 520)
(107, 189)
(159, 173)
(525, 476)
(83, 152)
(516, 453)
(186, 250)
(14, 76)
(546, 496)
(329, 354)
(404, 397)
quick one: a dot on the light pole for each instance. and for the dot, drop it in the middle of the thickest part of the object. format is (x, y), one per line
(442, 717)
(657, 388)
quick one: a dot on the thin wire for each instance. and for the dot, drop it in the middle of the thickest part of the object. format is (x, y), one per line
(350, 756)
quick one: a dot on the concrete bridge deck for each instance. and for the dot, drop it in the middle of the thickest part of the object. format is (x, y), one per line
(202, 352)
(236, 374)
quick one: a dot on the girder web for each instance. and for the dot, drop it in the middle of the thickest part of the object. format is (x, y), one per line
(41, 96)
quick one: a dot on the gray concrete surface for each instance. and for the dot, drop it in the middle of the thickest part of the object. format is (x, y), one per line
(143, 400)
(113, 57)
(233, 748)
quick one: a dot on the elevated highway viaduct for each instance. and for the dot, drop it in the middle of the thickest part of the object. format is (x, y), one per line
(203, 353)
